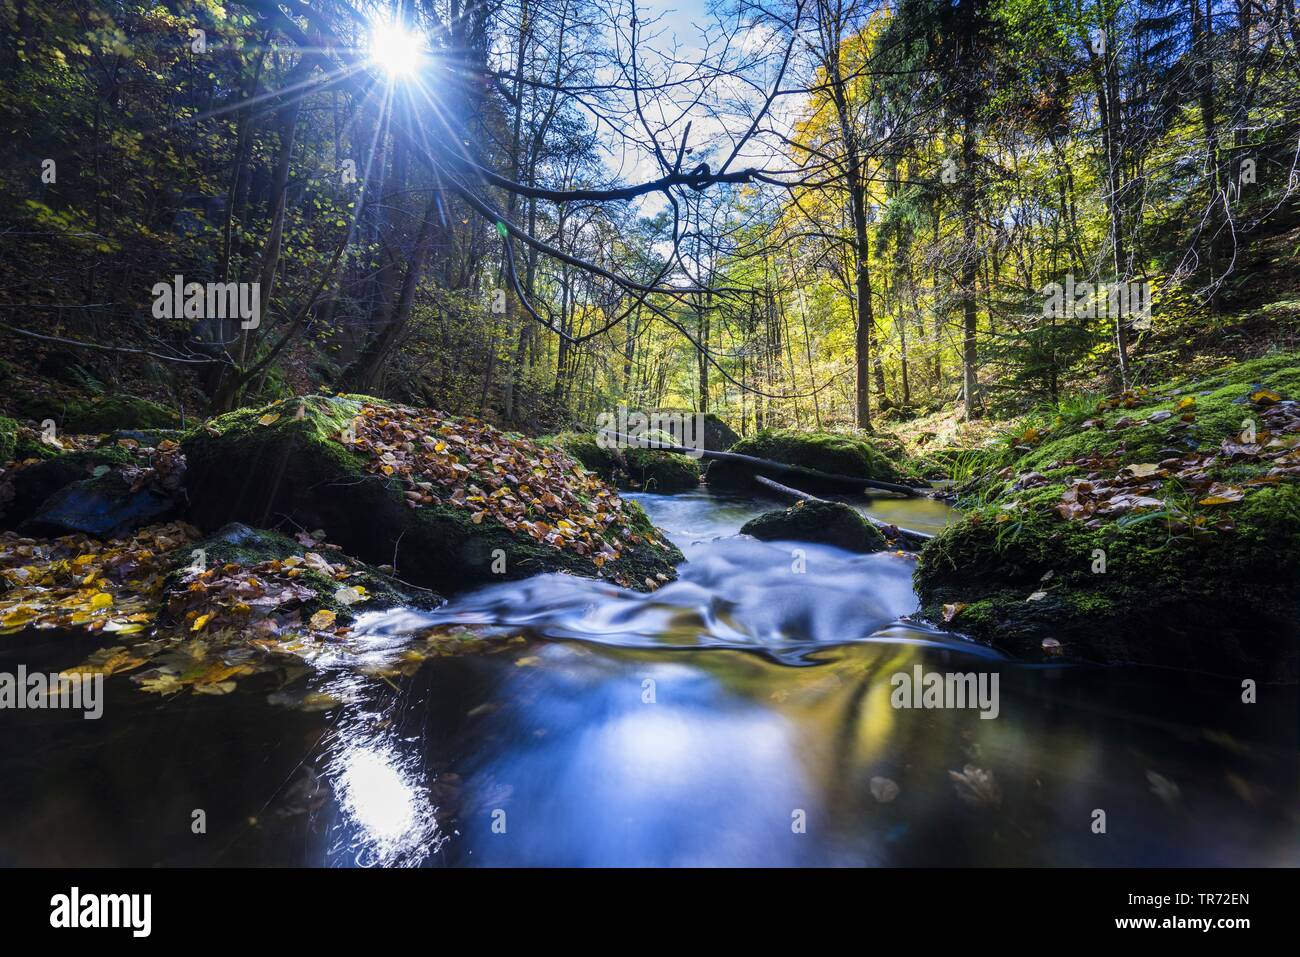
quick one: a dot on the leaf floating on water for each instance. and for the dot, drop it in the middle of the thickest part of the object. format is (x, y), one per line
(883, 790)
(1164, 788)
(322, 620)
(351, 594)
(319, 701)
(218, 688)
(161, 684)
(976, 786)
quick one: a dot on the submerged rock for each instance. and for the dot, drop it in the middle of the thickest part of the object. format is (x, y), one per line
(826, 523)
(447, 502)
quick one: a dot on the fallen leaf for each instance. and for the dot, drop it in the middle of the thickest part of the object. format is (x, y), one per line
(883, 790)
(322, 620)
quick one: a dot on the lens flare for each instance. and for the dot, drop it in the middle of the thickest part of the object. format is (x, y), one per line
(396, 49)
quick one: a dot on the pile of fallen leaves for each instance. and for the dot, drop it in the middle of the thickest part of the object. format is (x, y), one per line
(160, 467)
(265, 601)
(470, 465)
(79, 581)
(230, 620)
(1138, 487)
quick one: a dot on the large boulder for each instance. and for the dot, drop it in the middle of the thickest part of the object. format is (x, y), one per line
(107, 506)
(826, 523)
(643, 469)
(30, 484)
(77, 416)
(718, 435)
(829, 452)
(448, 502)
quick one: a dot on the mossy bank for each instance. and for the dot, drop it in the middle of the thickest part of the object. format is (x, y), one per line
(1161, 526)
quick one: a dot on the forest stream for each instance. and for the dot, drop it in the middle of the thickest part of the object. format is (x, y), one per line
(740, 715)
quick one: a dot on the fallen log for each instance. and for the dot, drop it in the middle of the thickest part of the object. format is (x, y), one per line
(769, 465)
(906, 537)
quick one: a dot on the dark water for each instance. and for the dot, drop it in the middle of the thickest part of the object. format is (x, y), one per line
(739, 716)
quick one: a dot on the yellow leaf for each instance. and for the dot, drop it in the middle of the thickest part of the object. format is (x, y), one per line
(1143, 470)
(101, 600)
(269, 419)
(322, 619)
(200, 621)
(163, 684)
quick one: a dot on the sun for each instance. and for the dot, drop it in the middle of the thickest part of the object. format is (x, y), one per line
(396, 49)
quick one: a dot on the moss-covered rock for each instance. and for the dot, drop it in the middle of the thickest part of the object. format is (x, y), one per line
(830, 452)
(827, 523)
(286, 464)
(243, 547)
(718, 436)
(34, 483)
(97, 415)
(649, 470)
(1202, 570)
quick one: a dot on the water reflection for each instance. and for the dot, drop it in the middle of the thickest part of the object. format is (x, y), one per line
(739, 716)
(383, 812)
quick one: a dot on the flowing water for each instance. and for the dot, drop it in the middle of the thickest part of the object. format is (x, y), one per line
(741, 715)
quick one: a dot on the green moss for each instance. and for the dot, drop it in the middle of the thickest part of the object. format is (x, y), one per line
(828, 452)
(584, 447)
(1144, 591)
(652, 470)
(8, 439)
(658, 471)
(247, 547)
(1220, 406)
(293, 469)
(828, 523)
(95, 416)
